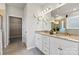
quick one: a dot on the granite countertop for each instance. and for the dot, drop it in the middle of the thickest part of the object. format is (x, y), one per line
(60, 35)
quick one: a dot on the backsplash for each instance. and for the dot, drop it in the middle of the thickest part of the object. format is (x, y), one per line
(73, 31)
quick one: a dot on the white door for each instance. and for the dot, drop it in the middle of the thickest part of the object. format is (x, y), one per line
(53, 47)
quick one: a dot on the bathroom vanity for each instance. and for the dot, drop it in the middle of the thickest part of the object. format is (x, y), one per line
(58, 44)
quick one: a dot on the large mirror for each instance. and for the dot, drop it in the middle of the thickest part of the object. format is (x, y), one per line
(59, 24)
(73, 21)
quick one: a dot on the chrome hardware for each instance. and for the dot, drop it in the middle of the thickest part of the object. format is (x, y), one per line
(60, 48)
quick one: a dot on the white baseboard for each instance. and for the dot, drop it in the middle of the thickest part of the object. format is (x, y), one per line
(30, 48)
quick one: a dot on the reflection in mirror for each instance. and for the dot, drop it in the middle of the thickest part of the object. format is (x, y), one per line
(73, 21)
(60, 25)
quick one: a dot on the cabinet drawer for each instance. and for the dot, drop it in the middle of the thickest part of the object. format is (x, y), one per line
(69, 52)
(70, 49)
(46, 43)
(69, 45)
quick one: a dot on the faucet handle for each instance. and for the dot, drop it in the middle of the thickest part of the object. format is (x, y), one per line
(67, 33)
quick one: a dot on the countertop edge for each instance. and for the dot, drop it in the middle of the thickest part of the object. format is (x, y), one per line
(55, 36)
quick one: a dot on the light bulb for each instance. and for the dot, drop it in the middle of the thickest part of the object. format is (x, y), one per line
(47, 9)
(44, 10)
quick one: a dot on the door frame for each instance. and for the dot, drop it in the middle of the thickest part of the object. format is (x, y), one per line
(2, 32)
(9, 26)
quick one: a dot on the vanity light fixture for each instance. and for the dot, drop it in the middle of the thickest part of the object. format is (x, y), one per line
(47, 9)
(44, 10)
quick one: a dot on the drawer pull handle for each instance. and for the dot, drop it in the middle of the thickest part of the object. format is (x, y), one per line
(60, 48)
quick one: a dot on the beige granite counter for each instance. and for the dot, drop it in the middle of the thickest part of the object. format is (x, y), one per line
(74, 38)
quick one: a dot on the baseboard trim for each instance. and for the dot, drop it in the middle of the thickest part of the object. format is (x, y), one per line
(30, 48)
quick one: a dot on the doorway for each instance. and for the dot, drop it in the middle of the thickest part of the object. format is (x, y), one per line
(15, 35)
(1, 35)
(15, 29)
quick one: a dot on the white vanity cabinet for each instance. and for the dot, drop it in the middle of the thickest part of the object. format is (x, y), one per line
(63, 47)
(51, 45)
(45, 44)
(38, 41)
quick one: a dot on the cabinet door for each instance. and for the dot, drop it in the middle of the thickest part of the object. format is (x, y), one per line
(55, 46)
(70, 52)
(63, 47)
(70, 48)
(45, 44)
(38, 41)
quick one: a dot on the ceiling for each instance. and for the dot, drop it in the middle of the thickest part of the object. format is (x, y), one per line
(18, 5)
(66, 9)
(21, 5)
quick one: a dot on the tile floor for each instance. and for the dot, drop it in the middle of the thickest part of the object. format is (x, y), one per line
(33, 51)
(18, 48)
